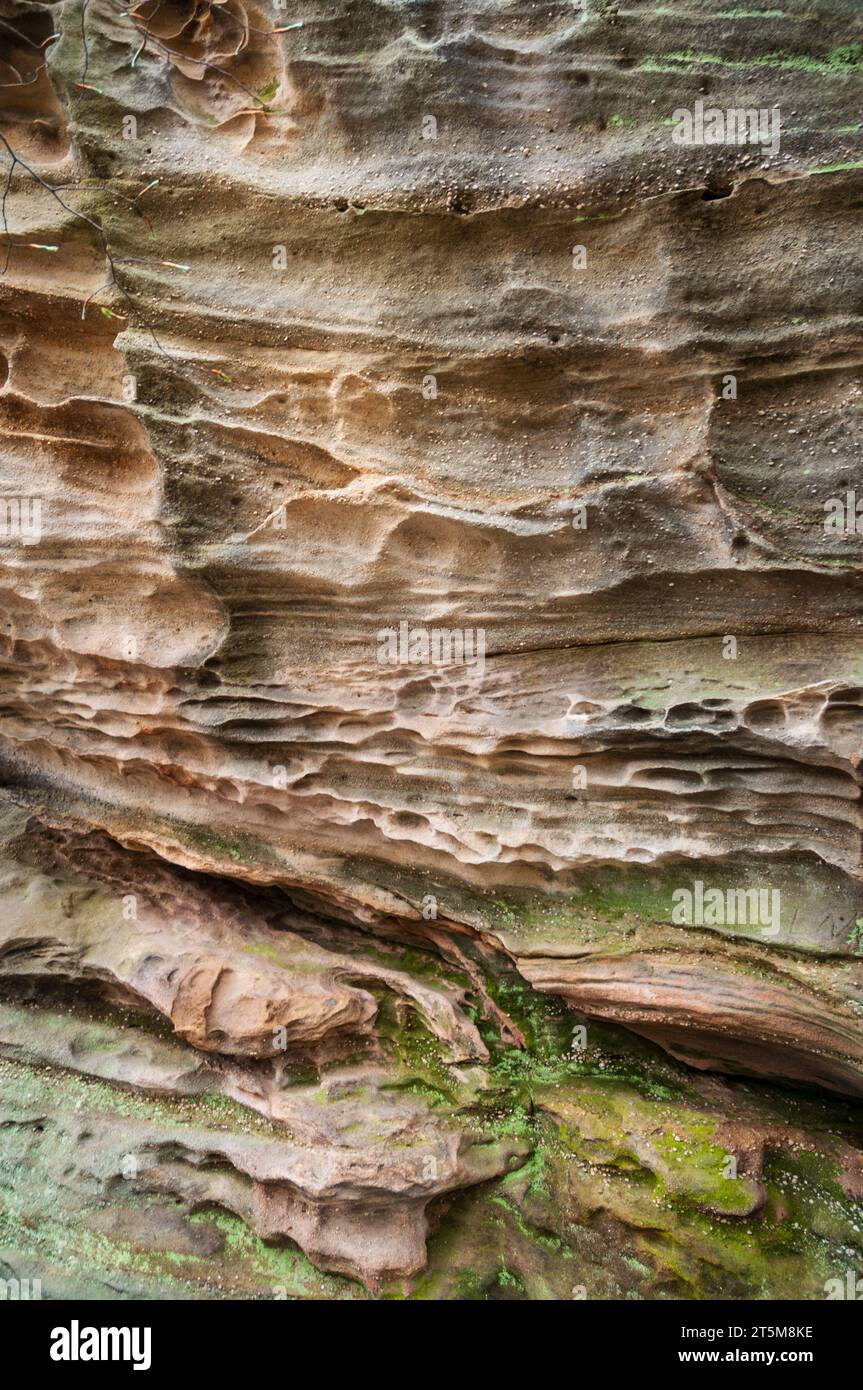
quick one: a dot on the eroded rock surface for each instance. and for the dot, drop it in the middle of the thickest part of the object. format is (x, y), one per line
(415, 583)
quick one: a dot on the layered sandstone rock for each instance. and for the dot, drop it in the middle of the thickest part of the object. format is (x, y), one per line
(415, 584)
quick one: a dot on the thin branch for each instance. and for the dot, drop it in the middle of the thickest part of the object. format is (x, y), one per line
(86, 67)
(16, 159)
(31, 43)
(85, 306)
(225, 14)
(150, 18)
(213, 67)
(146, 37)
(30, 80)
(22, 38)
(74, 212)
(5, 218)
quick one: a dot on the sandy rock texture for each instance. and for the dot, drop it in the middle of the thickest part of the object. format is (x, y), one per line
(431, 649)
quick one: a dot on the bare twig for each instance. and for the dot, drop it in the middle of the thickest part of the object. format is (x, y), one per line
(30, 80)
(86, 65)
(31, 43)
(15, 160)
(113, 283)
(22, 38)
(5, 218)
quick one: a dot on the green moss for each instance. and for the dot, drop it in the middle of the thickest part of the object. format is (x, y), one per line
(842, 61)
(416, 1050)
(214, 845)
(284, 1267)
(535, 1173)
(625, 1189)
(84, 1254)
(699, 1170)
(836, 168)
(29, 1083)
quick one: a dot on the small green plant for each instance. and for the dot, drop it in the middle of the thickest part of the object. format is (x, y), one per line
(855, 937)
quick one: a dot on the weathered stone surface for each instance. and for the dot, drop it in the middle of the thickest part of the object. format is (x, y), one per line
(322, 333)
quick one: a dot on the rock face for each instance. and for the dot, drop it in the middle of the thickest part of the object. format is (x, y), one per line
(431, 665)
